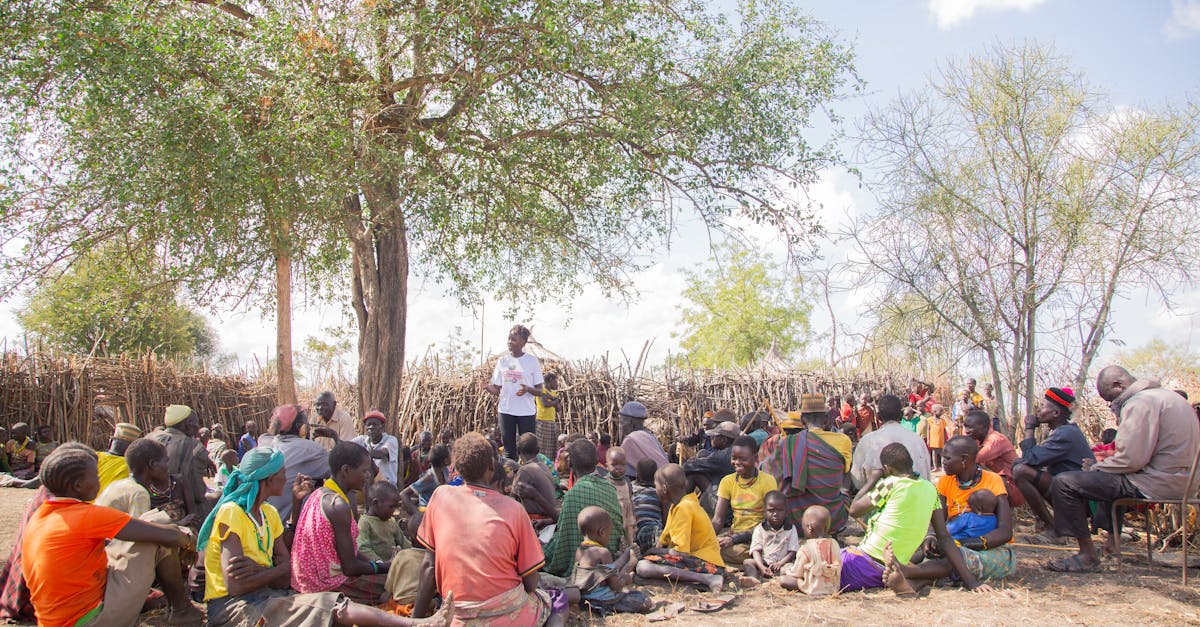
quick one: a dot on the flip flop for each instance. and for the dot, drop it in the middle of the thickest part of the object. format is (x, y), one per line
(666, 612)
(712, 603)
(1073, 564)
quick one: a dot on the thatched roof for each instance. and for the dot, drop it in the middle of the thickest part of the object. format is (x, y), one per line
(773, 362)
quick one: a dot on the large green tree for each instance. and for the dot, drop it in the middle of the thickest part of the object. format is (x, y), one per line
(109, 302)
(738, 307)
(499, 146)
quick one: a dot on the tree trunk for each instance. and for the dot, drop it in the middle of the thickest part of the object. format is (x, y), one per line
(283, 327)
(380, 294)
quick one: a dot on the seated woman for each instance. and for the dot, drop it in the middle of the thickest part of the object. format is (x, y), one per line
(482, 546)
(149, 487)
(987, 557)
(249, 569)
(324, 551)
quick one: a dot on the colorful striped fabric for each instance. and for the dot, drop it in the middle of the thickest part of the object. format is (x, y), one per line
(809, 472)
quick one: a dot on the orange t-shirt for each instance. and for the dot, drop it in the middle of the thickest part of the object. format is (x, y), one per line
(956, 497)
(63, 558)
(483, 542)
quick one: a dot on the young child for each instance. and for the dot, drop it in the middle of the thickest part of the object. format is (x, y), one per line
(646, 506)
(616, 476)
(817, 570)
(407, 570)
(229, 462)
(600, 579)
(979, 520)
(379, 535)
(1107, 445)
(689, 550)
(774, 543)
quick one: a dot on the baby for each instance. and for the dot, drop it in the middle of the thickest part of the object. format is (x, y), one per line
(774, 542)
(818, 567)
(980, 520)
(379, 535)
(601, 581)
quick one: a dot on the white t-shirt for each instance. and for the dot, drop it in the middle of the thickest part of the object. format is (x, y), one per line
(389, 467)
(510, 373)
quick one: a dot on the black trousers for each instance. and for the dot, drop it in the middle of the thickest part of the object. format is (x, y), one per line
(1071, 492)
(513, 426)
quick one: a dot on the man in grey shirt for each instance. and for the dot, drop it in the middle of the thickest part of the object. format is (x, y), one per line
(866, 454)
(1157, 440)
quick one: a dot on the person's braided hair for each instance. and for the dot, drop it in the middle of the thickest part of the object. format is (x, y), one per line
(66, 465)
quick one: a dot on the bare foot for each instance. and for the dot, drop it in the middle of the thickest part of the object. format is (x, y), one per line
(445, 615)
(715, 583)
(893, 578)
(185, 615)
(748, 582)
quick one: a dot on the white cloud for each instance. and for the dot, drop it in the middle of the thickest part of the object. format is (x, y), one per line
(951, 13)
(1184, 21)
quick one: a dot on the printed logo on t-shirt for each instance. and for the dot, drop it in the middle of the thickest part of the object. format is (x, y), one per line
(513, 376)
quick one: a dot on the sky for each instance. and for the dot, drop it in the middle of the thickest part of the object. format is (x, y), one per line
(1141, 53)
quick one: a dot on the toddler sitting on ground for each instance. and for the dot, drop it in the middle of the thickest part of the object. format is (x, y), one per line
(773, 543)
(979, 521)
(600, 579)
(818, 567)
(379, 534)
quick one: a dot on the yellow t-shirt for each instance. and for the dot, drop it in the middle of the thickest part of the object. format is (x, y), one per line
(840, 443)
(257, 544)
(546, 413)
(746, 500)
(111, 467)
(689, 530)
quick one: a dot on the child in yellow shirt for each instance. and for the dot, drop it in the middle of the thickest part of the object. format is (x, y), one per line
(688, 548)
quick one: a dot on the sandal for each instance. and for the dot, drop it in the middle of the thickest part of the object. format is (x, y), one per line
(712, 603)
(1073, 564)
(666, 612)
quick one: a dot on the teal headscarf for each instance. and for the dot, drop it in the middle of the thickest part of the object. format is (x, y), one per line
(242, 488)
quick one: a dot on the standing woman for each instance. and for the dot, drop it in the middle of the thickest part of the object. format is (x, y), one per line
(517, 381)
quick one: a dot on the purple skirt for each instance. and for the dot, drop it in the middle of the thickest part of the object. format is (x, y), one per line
(860, 571)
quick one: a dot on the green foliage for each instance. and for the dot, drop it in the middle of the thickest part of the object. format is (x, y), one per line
(111, 302)
(503, 147)
(738, 307)
(1173, 363)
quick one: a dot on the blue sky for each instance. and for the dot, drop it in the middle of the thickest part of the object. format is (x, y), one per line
(1142, 53)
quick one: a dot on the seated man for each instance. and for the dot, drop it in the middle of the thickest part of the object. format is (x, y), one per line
(1062, 451)
(808, 464)
(1156, 446)
(996, 452)
(706, 470)
(866, 454)
(589, 489)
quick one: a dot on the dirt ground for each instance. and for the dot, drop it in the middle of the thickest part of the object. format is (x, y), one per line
(1139, 594)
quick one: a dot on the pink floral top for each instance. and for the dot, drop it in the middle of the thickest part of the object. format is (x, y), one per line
(315, 564)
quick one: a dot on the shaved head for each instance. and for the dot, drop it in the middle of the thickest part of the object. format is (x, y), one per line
(672, 477)
(1112, 381)
(962, 445)
(592, 518)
